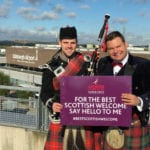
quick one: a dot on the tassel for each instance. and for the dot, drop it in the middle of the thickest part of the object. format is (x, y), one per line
(74, 139)
(70, 141)
(79, 140)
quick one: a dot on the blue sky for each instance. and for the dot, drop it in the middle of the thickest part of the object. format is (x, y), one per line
(40, 20)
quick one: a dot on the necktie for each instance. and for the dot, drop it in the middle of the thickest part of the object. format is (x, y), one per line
(117, 64)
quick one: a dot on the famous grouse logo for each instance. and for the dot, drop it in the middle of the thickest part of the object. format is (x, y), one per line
(95, 86)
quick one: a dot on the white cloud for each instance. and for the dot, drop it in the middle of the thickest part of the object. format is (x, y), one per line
(34, 2)
(48, 15)
(58, 8)
(31, 13)
(120, 20)
(85, 6)
(32, 34)
(71, 14)
(5, 9)
(26, 10)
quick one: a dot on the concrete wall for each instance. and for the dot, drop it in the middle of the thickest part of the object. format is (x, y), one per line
(12, 138)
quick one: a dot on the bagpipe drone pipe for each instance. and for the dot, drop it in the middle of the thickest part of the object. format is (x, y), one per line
(101, 48)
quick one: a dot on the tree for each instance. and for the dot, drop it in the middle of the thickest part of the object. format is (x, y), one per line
(4, 80)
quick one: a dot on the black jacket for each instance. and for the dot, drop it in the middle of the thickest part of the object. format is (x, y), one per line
(139, 69)
(47, 90)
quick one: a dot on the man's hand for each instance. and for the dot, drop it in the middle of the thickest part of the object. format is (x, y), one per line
(130, 99)
(57, 107)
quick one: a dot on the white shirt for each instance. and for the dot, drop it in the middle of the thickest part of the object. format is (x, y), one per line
(116, 69)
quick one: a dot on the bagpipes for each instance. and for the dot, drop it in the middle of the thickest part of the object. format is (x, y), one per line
(102, 45)
(75, 65)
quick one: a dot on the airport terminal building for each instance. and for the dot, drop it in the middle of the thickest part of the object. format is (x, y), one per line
(22, 63)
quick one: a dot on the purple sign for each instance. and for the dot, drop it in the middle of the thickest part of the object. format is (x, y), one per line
(95, 100)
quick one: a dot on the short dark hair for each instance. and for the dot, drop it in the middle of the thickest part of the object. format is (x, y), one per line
(68, 33)
(113, 35)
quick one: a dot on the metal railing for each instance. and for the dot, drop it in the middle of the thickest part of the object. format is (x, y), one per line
(28, 113)
(23, 112)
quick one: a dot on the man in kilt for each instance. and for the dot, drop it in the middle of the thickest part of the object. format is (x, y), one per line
(120, 62)
(67, 61)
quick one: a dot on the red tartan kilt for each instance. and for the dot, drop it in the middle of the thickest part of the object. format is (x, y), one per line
(93, 139)
(136, 138)
(54, 137)
(96, 141)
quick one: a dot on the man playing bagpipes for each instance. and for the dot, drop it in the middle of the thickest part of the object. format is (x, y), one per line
(66, 62)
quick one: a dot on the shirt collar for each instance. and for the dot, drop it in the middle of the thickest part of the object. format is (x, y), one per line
(124, 61)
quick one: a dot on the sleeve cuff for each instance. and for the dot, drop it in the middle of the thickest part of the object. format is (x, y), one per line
(140, 105)
(47, 102)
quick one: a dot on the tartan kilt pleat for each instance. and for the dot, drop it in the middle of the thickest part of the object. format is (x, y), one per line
(93, 139)
(137, 138)
(54, 139)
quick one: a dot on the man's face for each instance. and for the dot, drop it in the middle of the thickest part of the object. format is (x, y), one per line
(117, 49)
(68, 46)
